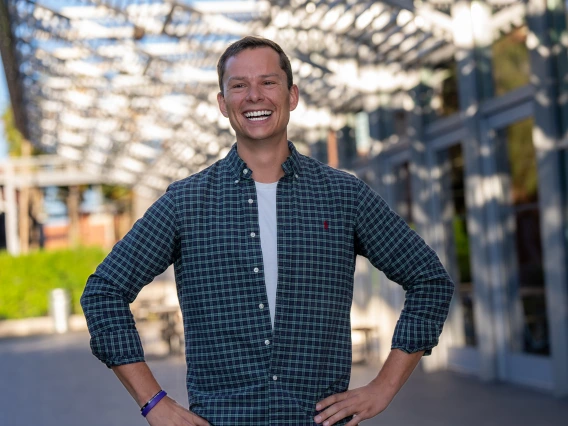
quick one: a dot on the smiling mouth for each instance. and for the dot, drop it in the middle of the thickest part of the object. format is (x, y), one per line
(257, 115)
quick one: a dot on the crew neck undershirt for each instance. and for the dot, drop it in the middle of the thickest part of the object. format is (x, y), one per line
(266, 194)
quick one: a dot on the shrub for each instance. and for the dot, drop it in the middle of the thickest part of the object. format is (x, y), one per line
(25, 281)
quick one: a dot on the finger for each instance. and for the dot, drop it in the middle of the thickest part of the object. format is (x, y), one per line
(355, 420)
(327, 413)
(330, 400)
(340, 415)
(332, 410)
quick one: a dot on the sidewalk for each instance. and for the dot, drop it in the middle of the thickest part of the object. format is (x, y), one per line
(55, 381)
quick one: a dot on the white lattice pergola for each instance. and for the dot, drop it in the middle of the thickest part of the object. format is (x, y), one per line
(127, 87)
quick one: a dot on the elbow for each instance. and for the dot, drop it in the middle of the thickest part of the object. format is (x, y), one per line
(88, 293)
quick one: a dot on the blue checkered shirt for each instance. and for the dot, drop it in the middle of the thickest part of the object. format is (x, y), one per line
(240, 371)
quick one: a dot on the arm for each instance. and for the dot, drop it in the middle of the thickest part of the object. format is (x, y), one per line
(146, 251)
(369, 401)
(141, 384)
(392, 247)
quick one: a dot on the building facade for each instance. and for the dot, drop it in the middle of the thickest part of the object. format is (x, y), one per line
(477, 164)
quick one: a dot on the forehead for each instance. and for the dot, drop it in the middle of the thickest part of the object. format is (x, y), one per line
(251, 62)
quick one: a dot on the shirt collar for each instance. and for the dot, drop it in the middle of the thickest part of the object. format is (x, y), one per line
(239, 169)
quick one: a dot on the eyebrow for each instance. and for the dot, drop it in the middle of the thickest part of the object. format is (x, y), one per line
(260, 76)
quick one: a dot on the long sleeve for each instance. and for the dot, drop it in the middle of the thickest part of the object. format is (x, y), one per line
(391, 246)
(146, 251)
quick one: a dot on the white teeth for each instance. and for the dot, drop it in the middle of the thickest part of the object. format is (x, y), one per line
(257, 113)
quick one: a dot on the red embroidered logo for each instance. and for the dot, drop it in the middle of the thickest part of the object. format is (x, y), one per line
(325, 224)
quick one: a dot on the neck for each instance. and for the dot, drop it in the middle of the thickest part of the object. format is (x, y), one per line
(265, 160)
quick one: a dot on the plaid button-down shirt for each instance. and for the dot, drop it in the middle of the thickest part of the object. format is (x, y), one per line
(240, 371)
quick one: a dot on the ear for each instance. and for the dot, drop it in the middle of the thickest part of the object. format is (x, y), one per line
(294, 97)
(222, 105)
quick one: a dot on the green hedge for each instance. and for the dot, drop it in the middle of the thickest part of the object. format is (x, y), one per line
(25, 281)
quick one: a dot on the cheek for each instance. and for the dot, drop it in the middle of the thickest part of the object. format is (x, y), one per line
(233, 106)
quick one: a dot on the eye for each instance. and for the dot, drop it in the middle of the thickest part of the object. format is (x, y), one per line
(237, 86)
(269, 83)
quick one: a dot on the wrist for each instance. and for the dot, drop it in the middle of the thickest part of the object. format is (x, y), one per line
(152, 402)
(145, 395)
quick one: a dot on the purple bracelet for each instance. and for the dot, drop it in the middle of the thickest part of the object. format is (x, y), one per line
(152, 403)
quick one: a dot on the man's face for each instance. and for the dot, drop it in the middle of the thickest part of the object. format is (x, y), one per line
(256, 97)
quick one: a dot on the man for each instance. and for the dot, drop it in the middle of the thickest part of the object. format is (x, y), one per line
(263, 244)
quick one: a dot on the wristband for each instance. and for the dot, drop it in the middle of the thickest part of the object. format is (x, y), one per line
(152, 403)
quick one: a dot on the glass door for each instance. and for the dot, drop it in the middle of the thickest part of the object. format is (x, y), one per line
(524, 356)
(530, 328)
(456, 249)
(453, 245)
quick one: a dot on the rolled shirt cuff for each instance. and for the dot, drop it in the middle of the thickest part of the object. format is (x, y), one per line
(414, 334)
(118, 347)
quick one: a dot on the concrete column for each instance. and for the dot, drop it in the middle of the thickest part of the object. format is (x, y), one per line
(419, 166)
(12, 240)
(24, 203)
(421, 188)
(548, 53)
(473, 86)
(24, 222)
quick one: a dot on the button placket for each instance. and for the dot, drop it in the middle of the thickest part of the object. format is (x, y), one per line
(249, 194)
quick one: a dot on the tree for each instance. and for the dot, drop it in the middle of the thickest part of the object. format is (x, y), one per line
(13, 135)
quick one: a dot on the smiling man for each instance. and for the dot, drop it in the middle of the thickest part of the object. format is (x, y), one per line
(263, 244)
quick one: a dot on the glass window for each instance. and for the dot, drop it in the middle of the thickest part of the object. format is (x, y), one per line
(445, 101)
(400, 122)
(319, 151)
(511, 63)
(346, 146)
(403, 193)
(522, 167)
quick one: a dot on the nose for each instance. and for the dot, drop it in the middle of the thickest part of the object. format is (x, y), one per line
(254, 93)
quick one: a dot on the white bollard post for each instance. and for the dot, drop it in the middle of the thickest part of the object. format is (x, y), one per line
(60, 309)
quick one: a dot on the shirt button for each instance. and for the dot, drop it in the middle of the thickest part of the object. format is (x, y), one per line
(261, 306)
(274, 378)
(237, 181)
(251, 201)
(252, 234)
(245, 171)
(296, 176)
(267, 342)
(255, 270)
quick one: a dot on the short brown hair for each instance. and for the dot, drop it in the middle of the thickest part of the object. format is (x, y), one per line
(253, 42)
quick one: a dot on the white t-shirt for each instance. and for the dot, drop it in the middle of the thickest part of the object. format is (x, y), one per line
(266, 193)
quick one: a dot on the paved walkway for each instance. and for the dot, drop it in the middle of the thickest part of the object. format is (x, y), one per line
(55, 381)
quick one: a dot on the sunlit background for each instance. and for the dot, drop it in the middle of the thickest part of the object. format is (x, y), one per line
(456, 112)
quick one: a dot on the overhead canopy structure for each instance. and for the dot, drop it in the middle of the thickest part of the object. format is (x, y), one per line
(128, 87)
